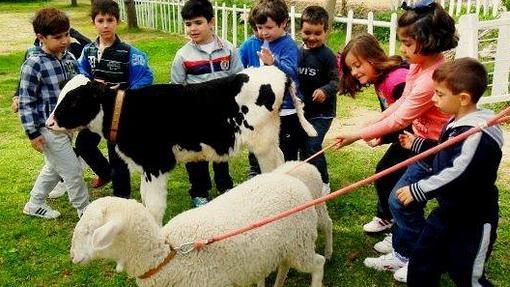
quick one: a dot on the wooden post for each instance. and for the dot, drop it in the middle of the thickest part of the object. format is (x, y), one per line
(132, 21)
(468, 36)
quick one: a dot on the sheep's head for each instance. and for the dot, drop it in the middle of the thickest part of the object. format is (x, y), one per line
(306, 173)
(99, 228)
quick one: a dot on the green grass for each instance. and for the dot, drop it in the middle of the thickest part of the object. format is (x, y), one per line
(35, 252)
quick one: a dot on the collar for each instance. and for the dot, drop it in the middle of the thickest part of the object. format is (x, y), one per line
(115, 42)
(156, 269)
(218, 43)
(114, 128)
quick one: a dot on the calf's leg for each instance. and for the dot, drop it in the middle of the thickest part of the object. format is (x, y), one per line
(153, 190)
(270, 158)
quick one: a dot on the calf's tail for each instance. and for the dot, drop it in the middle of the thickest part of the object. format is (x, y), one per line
(298, 104)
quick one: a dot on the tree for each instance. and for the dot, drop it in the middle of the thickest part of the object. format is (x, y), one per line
(131, 14)
(74, 3)
(330, 5)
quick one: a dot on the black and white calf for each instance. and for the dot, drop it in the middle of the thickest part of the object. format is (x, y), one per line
(162, 124)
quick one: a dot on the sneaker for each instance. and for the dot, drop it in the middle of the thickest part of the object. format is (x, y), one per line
(199, 201)
(58, 191)
(386, 262)
(41, 210)
(98, 182)
(401, 274)
(377, 225)
(326, 189)
(385, 245)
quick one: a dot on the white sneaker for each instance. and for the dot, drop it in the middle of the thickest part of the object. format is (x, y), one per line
(385, 245)
(401, 274)
(326, 189)
(58, 191)
(41, 210)
(386, 262)
(377, 225)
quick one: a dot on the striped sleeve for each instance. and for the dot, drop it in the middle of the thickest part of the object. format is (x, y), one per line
(426, 188)
(28, 98)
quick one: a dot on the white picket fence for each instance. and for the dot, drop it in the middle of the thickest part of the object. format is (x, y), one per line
(164, 15)
(462, 7)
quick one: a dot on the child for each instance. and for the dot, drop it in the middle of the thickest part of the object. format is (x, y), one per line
(41, 75)
(279, 49)
(204, 58)
(318, 78)
(119, 66)
(364, 62)
(459, 234)
(425, 30)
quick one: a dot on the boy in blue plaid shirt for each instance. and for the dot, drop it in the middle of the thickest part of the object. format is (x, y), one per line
(41, 76)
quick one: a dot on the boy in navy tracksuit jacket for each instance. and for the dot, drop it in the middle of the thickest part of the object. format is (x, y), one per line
(459, 233)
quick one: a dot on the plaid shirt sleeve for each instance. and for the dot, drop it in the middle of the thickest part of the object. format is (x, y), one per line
(28, 97)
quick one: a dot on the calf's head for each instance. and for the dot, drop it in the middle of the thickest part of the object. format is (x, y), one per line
(78, 104)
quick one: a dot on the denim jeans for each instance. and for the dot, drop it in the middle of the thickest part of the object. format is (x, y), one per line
(314, 144)
(408, 220)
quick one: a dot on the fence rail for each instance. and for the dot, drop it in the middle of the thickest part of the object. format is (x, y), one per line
(165, 15)
(462, 7)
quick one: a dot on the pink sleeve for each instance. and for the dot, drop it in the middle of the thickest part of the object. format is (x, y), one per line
(402, 113)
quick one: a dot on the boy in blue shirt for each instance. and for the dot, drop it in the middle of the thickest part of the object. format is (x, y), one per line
(119, 66)
(205, 57)
(48, 66)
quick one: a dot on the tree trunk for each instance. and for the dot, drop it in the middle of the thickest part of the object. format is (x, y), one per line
(329, 5)
(74, 3)
(131, 14)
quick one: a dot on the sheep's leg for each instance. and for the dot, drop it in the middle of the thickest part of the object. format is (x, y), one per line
(283, 269)
(154, 192)
(326, 225)
(312, 263)
(270, 159)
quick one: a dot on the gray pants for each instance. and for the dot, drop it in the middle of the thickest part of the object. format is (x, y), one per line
(60, 162)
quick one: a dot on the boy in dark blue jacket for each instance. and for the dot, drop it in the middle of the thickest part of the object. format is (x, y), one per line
(459, 234)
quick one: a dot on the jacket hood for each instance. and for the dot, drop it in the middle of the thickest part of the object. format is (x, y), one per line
(477, 118)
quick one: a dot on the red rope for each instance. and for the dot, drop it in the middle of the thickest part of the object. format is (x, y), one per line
(499, 118)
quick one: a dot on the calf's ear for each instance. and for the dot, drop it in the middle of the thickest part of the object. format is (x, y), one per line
(103, 236)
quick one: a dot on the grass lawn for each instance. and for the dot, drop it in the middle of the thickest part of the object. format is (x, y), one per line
(35, 252)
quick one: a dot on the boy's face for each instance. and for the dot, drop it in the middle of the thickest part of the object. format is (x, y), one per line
(313, 35)
(55, 44)
(106, 26)
(199, 30)
(445, 100)
(271, 31)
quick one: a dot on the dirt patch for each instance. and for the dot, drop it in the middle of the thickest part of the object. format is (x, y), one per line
(16, 32)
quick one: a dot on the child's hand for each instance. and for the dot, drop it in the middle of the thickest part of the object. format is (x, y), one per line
(346, 139)
(38, 143)
(265, 56)
(15, 104)
(404, 195)
(319, 96)
(406, 139)
(374, 142)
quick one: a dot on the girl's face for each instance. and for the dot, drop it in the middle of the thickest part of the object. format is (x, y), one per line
(313, 35)
(408, 49)
(271, 31)
(360, 69)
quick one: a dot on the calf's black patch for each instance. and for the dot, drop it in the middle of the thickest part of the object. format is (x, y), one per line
(266, 97)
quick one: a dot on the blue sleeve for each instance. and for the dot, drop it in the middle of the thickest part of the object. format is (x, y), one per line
(84, 64)
(28, 97)
(287, 61)
(237, 66)
(242, 51)
(140, 74)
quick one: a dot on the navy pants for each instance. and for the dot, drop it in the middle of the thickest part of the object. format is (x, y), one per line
(292, 137)
(459, 247)
(200, 180)
(408, 221)
(314, 145)
(117, 170)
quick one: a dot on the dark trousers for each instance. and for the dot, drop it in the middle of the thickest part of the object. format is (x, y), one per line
(87, 147)
(200, 180)
(292, 137)
(383, 186)
(460, 248)
(408, 221)
(314, 145)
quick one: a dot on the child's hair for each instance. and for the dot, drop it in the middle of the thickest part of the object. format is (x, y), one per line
(105, 7)
(275, 9)
(197, 8)
(366, 47)
(315, 15)
(430, 26)
(50, 21)
(463, 75)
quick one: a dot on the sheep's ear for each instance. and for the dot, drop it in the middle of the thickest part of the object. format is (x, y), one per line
(104, 235)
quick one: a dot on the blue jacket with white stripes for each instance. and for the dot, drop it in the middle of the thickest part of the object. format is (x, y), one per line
(464, 174)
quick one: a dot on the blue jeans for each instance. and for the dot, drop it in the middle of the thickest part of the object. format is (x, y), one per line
(314, 144)
(408, 220)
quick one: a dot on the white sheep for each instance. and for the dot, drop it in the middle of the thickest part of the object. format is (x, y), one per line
(124, 231)
(304, 173)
